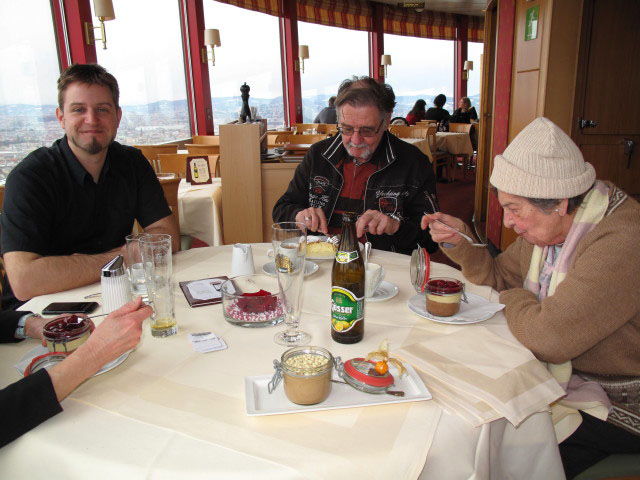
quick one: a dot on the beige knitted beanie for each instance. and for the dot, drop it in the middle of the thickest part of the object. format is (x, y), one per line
(542, 162)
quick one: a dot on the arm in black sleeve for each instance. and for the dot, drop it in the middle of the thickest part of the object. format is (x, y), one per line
(296, 197)
(473, 114)
(25, 404)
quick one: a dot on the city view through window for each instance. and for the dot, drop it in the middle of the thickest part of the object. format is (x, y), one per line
(152, 79)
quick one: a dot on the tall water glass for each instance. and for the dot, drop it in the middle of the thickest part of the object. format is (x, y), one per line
(135, 266)
(289, 241)
(156, 257)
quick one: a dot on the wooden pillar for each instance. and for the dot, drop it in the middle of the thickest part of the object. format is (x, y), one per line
(460, 55)
(76, 13)
(376, 42)
(198, 89)
(291, 70)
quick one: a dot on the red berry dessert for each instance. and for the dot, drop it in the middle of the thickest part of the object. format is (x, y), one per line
(66, 333)
(443, 296)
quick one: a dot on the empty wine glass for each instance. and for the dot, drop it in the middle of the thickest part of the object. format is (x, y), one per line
(289, 240)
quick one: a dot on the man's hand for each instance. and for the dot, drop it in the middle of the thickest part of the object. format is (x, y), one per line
(376, 223)
(441, 233)
(314, 219)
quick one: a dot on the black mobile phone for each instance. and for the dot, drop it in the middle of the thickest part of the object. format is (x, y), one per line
(69, 307)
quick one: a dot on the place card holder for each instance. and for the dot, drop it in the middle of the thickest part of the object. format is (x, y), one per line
(203, 292)
(198, 172)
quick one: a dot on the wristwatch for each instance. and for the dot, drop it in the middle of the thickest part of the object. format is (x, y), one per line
(20, 329)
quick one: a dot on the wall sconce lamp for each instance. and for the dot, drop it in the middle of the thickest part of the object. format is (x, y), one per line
(303, 53)
(385, 61)
(468, 65)
(103, 9)
(211, 39)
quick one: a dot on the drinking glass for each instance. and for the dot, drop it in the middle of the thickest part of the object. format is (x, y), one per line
(289, 240)
(156, 257)
(135, 267)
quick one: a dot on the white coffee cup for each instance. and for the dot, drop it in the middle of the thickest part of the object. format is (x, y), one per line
(242, 260)
(373, 276)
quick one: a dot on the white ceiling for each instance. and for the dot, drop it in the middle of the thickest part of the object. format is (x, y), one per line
(462, 7)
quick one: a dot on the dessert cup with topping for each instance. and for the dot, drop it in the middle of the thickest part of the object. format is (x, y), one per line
(443, 296)
(66, 333)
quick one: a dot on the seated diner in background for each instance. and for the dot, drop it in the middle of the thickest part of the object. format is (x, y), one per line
(385, 180)
(417, 113)
(436, 112)
(568, 283)
(68, 208)
(328, 113)
(464, 113)
(35, 398)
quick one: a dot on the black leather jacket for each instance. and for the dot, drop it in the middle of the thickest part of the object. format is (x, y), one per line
(403, 187)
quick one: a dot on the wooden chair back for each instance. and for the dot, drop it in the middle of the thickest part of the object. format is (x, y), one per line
(427, 123)
(299, 139)
(151, 152)
(170, 189)
(460, 127)
(403, 131)
(206, 139)
(328, 128)
(301, 127)
(200, 149)
(177, 163)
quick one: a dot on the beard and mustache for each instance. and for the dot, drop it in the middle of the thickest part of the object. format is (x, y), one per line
(365, 150)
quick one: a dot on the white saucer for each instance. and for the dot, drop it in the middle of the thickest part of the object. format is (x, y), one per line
(385, 291)
(417, 304)
(40, 350)
(309, 268)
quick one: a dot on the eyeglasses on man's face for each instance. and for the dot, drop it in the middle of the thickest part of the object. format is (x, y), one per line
(348, 130)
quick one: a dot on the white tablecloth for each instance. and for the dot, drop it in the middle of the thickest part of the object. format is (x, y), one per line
(168, 412)
(457, 143)
(200, 210)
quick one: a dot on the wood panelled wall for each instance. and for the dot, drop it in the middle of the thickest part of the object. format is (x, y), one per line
(544, 70)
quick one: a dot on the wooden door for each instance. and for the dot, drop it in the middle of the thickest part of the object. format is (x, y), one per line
(608, 91)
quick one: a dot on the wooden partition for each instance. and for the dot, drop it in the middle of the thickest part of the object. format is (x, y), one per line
(249, 188)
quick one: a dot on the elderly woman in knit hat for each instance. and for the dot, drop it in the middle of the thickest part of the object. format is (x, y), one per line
(569, 283)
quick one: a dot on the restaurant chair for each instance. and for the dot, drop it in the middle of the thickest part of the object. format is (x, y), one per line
(170, 189)
(328, 128)
(206, 140)
(302, 127)
(151, 152)
(200, 149)
(439, 158)
(403, 131)
(467, 160)
(307, 139)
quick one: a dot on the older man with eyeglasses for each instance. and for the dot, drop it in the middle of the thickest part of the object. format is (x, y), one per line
(366, 170)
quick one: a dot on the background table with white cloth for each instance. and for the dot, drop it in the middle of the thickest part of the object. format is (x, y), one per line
(456, 143)
(200, 210)
(168, 411)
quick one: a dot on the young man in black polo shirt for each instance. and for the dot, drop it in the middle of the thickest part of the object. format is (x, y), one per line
(365, 170)
(68, 208)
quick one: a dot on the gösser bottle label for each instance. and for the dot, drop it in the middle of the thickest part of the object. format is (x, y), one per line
(346, 309)
(346, 257)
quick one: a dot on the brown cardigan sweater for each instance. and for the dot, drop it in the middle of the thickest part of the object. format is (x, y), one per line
(593, 318)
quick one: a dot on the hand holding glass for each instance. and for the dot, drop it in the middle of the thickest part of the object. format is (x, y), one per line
(156, 257)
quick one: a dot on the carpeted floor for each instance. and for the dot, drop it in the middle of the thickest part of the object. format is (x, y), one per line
(456, 198)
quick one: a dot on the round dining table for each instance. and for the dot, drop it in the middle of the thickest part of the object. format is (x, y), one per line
(168, 411)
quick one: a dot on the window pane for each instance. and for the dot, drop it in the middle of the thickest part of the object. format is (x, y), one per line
(421, 68)
(335, 54)
(474, 50)
(29, 70)
(144, 53)
(250, 53)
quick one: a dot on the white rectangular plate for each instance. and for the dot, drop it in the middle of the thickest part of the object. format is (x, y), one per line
(259, 401)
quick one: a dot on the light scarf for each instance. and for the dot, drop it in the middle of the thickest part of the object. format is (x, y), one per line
(582, 395)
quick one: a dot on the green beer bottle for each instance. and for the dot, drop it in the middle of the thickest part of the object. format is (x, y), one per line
(347, 286)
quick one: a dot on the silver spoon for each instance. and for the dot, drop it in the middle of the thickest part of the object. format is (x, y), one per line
(367, 253)
(463, 235)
